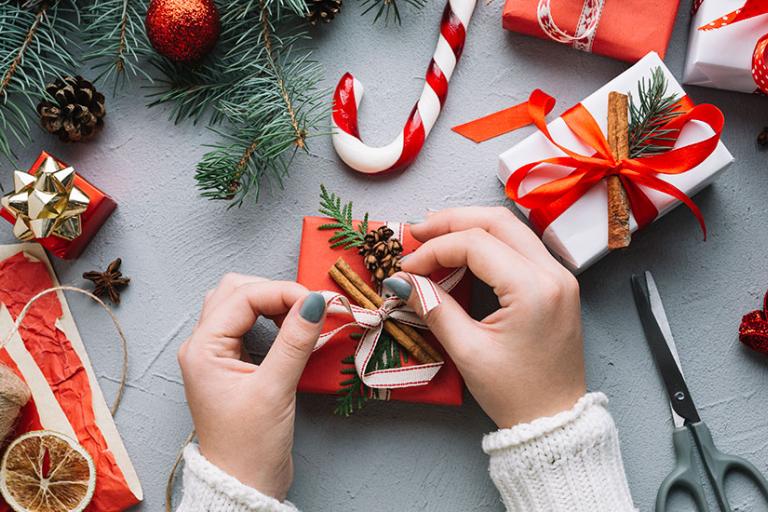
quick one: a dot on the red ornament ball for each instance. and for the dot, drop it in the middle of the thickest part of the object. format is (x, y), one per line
(183, 30)
(753, 331)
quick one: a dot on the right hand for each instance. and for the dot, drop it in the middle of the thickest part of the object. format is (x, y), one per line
(525, 360)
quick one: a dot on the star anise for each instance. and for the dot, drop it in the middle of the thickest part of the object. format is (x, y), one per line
(108, 283)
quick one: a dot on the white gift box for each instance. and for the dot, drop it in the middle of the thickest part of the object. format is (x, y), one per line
(722, 58)
(580, 235)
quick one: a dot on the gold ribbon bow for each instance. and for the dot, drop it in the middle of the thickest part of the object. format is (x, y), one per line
(45, 202)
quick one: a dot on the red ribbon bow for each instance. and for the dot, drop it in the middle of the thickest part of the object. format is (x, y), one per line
(750, 9)
(548, 201)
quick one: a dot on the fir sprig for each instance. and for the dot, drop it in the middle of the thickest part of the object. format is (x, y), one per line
(648, 118)
(347, 234)
(117, 45)
(353, 394)
(258, 91)
(34, 49)
(388, 10)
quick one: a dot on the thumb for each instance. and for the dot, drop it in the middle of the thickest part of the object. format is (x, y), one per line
(289, 353)
(450, 324)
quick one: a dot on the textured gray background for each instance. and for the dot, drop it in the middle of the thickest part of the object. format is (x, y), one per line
(392, 456)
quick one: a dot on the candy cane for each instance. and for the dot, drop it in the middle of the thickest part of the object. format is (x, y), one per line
(399, 153)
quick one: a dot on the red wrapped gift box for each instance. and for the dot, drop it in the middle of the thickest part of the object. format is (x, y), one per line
(625, 29)
(99, 209)
(323, 372)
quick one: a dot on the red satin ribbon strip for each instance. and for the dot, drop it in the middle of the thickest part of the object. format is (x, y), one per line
(498, 123)
(548, 201)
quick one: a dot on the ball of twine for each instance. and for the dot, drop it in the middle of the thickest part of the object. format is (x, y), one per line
(14, 394)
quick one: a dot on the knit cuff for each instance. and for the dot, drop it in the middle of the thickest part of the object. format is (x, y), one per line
(567, 462)
(209, 489)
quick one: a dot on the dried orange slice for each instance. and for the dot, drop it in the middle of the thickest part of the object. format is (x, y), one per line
(43, 471)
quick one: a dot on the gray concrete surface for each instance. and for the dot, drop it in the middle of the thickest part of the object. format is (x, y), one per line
(392, 456)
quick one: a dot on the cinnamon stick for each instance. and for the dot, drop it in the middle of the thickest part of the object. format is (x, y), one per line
(394, 329)
(619, 235)
(377, 301)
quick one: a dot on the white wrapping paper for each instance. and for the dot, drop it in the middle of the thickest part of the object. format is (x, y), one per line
(580, 235)
(722, 58)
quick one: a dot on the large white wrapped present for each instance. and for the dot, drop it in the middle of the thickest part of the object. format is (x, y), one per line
(579, 236)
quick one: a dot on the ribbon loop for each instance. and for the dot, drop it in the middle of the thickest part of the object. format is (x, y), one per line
(373, 323)
(550, 200)
(584, 35)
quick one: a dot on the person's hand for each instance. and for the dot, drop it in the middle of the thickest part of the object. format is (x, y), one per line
(525, 360)
(243, 413)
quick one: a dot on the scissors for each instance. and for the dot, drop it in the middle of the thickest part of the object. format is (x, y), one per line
(690, 432)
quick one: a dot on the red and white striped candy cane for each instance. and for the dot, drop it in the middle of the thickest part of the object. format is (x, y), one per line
(399, 153)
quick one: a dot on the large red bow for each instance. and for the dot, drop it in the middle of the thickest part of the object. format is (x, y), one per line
(548, 201)
(750, 9)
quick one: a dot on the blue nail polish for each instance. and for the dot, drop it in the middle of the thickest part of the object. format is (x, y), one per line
(417, 221)
(313, 308)
(401, 287)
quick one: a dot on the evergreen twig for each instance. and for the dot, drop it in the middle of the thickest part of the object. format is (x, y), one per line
(648, 134)
(259, 91)
(388, 354)
(34, 49)
(388, 10)
(116, 40)
(353, 394)
(347, 234)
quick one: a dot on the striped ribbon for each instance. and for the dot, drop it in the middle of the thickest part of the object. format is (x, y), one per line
(373, 323)
(584, 36)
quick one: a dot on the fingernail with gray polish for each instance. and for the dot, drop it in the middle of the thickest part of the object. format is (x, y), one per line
(401, 287)
(415, 221)
(313, 308)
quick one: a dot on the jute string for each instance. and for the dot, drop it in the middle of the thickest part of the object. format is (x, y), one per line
(121, 334)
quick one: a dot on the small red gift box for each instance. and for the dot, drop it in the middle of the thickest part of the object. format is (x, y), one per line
(622, 29)
(100, 207)
(323, 372)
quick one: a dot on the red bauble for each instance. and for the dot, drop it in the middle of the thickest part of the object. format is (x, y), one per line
(183, 30)
(753, 331)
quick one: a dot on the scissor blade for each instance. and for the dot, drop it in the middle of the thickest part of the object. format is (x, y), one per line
(662, 346)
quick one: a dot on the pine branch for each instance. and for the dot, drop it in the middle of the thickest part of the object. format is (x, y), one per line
(389, 10)
(353, 394)
(347, 234)
(34, 49)
(648, 118)
(116, 40)
(258, 92)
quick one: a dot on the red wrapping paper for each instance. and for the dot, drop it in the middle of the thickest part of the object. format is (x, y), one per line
(99, 209)
(323, 372)
(628, 29)
(52, 357)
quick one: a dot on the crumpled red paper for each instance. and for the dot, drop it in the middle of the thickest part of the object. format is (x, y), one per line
(20, 280)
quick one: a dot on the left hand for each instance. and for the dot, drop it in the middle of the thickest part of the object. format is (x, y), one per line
(244, 413)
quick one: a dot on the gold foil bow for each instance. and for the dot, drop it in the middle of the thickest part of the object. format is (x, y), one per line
(46, 202)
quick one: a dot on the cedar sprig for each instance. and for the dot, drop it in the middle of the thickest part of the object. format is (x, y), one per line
(35, 48)
(353, 394)
(347, 235)
(115, 38)
(388, 10)
(648, 118)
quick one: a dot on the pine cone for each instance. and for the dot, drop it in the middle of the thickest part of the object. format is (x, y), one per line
(322, 10)
(381, 253)
(76, 113)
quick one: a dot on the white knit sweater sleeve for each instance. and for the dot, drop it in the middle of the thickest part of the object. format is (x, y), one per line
(209, 489)
(568, 462)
